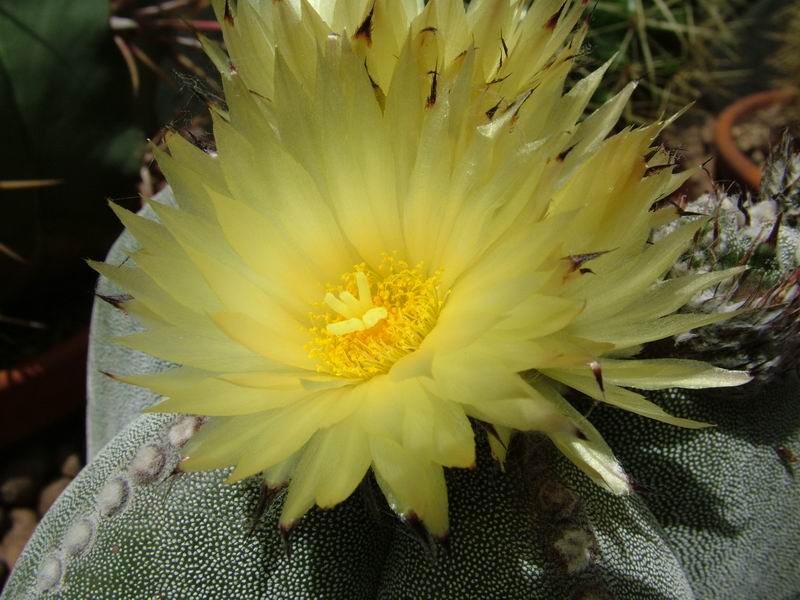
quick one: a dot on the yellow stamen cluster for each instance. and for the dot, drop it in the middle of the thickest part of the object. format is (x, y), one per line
(374, 318)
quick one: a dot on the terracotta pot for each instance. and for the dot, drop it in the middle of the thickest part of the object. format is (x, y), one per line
(738, 163)
(40, 391)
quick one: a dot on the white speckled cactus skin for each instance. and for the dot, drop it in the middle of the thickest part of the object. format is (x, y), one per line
(716, 517)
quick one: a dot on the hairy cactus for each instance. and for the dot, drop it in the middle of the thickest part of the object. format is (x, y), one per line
(715, 517)
(761, 234)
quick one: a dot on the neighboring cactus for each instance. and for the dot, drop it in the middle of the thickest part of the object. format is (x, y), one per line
(763, 235)
(716, 517)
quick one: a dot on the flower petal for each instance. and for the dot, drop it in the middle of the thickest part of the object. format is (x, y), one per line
(617, 396)
(413, 485)
(663, 373)
(668, 296)
(586, 448)
(151, 295)
(632, 334)
(438, 429)
(264, 340)
(333, 463)
(190, 172)
(214, 397)
(491, 393)
(281, 432)
(279, 474)
(197, 348)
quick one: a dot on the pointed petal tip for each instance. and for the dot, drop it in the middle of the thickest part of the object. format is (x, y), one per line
(285, 530)
(155, 409)
(622, 486)
(110, 375)
(235, 477)
(740, 378)
(96, 265)
(413, 522)
(181, 466)
(443, 541)
(117, 301)
(286, 527)
(422, 530)
(266, 497)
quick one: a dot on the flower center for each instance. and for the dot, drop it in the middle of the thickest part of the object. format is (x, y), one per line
(373, 319)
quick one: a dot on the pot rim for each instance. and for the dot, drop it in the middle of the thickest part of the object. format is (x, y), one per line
(747, 171)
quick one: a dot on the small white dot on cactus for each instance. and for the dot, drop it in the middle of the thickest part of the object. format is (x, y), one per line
(79, 537)
(575, 547)
(49, 574)
(148, 463)
(183, 430)
(113, 496)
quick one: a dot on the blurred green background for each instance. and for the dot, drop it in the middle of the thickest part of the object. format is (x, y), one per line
(83, 85)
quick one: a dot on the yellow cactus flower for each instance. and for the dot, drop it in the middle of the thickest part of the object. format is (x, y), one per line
(406, 225)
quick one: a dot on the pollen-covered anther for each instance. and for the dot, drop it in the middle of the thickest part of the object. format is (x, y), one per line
(374, 318)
